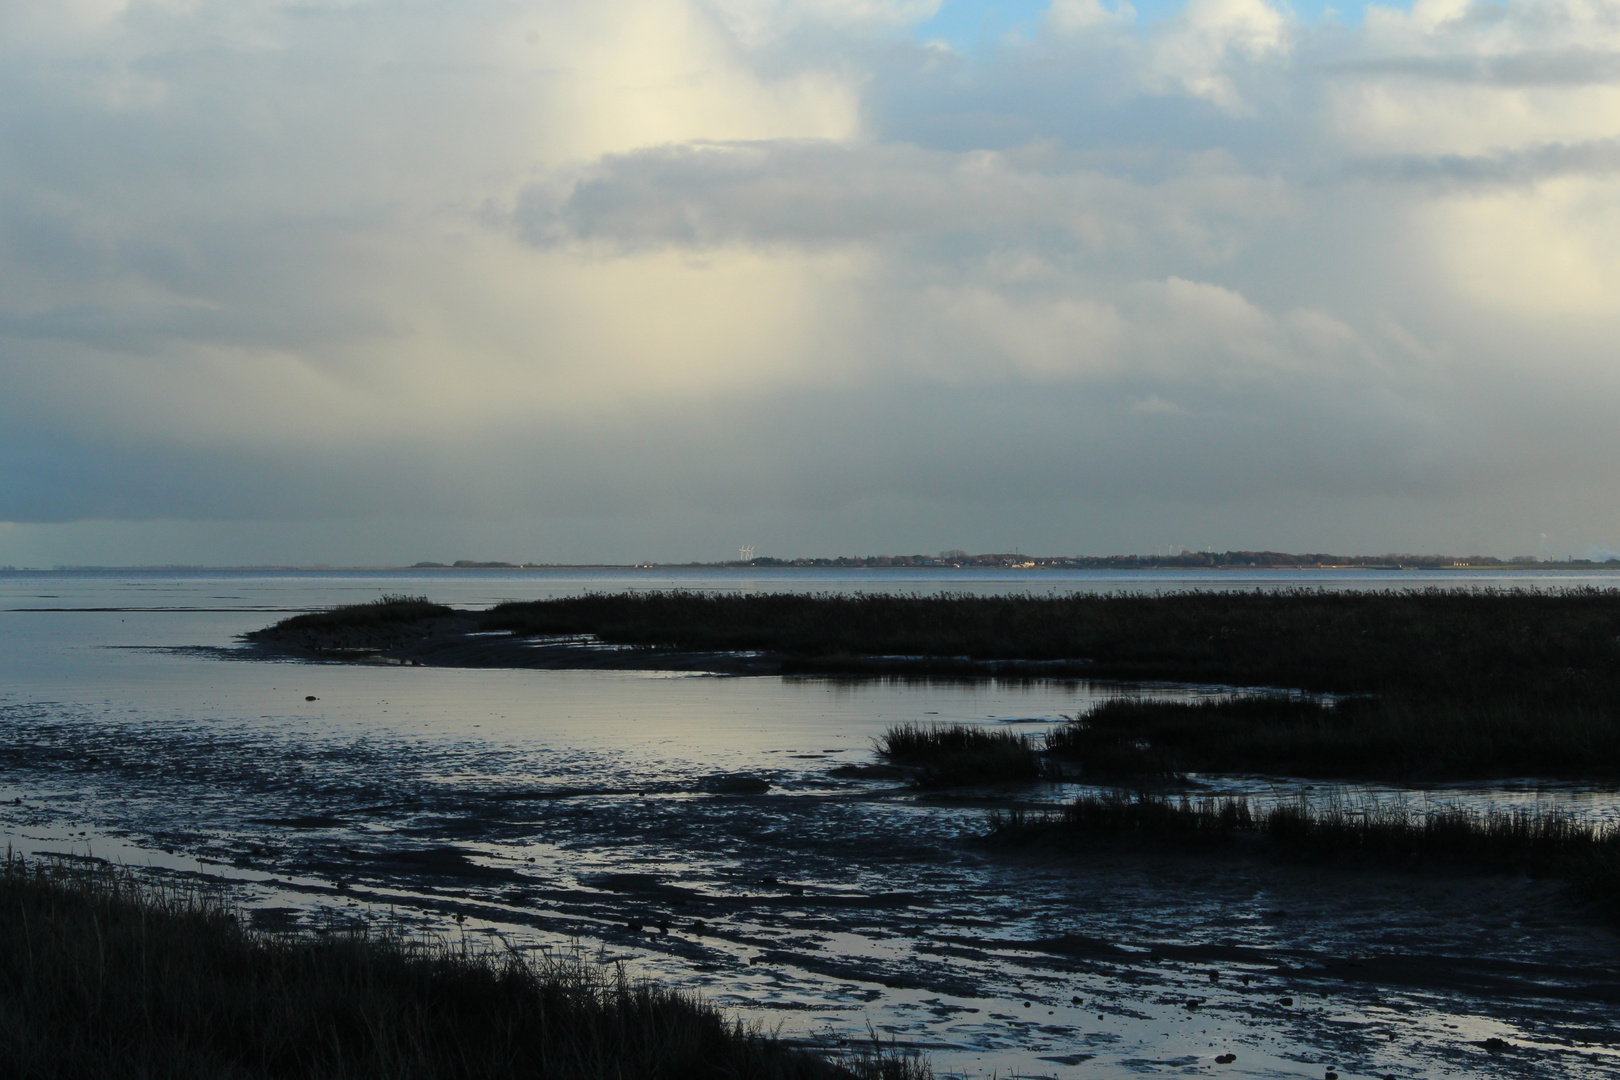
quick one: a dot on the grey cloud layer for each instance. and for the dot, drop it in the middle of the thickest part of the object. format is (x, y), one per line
(668, 259)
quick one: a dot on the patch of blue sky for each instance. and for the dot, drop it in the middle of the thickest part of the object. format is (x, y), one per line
(970, 25)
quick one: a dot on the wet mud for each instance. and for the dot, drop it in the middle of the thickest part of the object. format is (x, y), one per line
(821, 894)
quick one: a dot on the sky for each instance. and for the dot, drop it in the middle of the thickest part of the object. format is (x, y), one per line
(367, 282)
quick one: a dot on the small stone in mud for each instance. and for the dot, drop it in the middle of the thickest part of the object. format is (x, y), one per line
(1076, 1001)
(734, 784)
(1225, 1059)
(1285, 1002)
(1495, 1045)
(1214, 976)
(311, 697)
(698, 926)
(1245, 980)
(634, 926)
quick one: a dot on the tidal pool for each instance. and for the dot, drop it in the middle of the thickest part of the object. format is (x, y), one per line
(578, 810)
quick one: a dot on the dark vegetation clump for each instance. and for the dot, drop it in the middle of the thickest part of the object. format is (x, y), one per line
(360, 631)
(1406, 737)
(385, 609)
(1142, 815)
(103, 977)
(946, 755)
(1543, 843)
(1560, 649)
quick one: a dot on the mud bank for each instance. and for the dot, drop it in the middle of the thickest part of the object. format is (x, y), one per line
(460, 641)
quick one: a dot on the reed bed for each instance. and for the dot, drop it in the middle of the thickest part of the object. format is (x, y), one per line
(1435, 643)
(1359, 737)
(1517, 840)
(102, 976)
(391, 608)
(1438, 683)
(947, 755)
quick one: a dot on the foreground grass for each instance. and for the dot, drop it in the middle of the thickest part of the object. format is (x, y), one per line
(946, 755)
(1518, 841)
(101, 976)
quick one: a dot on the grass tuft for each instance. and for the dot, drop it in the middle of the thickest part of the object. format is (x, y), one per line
(947, 755)
(389, 608)
(102, 975)
(1519, 840)
(1299, 736)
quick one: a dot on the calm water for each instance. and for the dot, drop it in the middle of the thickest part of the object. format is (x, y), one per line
(552, 809)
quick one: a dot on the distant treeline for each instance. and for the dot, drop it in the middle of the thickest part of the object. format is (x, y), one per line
(1004, 560)
(1187, 559)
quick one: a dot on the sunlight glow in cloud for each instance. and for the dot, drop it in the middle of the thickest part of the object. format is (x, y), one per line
(625, 280)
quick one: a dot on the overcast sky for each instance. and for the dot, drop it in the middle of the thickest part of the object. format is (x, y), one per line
(374, 281)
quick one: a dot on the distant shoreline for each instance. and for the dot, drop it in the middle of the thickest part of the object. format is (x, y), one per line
(1035, 564)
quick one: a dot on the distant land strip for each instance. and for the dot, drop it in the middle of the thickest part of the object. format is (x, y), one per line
(961, 560)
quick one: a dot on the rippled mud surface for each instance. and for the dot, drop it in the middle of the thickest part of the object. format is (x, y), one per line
(619, 813)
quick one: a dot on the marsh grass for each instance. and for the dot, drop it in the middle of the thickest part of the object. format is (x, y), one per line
(1369, 737)
(1518, 840)
(1436, 683)
(1439, 682)
(103, 975)
(390, 608)
(1561, 647)
(947, 755)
